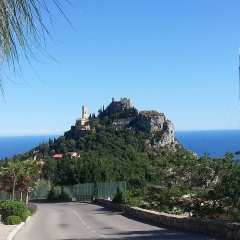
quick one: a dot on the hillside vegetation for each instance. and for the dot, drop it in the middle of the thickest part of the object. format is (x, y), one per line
(166, 179)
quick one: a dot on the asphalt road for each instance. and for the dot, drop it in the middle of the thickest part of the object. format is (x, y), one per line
(78, 221)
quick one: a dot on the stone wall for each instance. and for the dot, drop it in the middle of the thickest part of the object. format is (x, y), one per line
(225, 229)
(118, 106)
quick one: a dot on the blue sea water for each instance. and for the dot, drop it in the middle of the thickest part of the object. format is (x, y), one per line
(9, 146)
(214, 142)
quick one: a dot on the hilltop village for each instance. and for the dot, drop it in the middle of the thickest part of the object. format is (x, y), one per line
(125, 116)
(137, 147)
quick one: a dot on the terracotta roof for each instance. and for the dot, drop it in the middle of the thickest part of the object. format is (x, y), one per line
(58, 156)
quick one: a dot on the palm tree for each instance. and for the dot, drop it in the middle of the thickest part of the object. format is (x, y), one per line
(21, 29)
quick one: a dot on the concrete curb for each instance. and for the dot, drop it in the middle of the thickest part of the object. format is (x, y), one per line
(16, 229)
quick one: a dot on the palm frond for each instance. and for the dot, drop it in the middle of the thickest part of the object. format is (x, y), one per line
(22, 28)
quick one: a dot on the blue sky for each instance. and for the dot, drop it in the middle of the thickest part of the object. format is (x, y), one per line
(179, 57)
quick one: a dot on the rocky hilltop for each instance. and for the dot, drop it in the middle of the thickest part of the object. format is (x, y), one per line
(124, 116)
(154, 122)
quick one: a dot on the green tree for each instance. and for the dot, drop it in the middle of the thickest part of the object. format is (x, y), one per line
(71, 145)
(62, 145)
(49, 168)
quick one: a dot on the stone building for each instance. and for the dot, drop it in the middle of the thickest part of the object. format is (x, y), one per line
(81, 127)
(81, 123)
(119, 106)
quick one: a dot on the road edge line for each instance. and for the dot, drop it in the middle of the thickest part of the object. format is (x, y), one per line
(16, 229)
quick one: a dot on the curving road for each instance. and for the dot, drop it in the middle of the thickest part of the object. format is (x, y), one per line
(78, 221)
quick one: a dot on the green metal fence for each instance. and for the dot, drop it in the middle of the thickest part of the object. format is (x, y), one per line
(83, 192)
(105, 190)
(4, 195)
(37, 194)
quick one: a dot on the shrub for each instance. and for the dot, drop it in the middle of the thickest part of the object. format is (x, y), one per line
(12, 220)
(57, 193)
(54, 193)
(118, 197)
(25, 215)
(13, 208)
(133, 198)
(29, 213)
(65, 193)
(42, 189)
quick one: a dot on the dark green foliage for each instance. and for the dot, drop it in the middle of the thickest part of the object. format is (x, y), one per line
(163, 199)
(204, 187)
(133, 197)
(48, 169)
(12, 220)
(106, 155)
(222, 201)
(64, 194)
(25, 215)
(57, 193)
(53, 194)
(118, 197)
(127, 112)
(9, 208)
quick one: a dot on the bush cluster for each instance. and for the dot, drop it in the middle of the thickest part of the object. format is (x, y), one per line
(12, 211)
(57, 193)
(12, 220)
(118, 197)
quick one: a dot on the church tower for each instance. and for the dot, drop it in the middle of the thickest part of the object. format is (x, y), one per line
(84, 112)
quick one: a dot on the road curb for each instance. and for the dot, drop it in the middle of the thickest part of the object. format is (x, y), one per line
(16, 229)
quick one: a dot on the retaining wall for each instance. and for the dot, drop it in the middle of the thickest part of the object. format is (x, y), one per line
(226, 229)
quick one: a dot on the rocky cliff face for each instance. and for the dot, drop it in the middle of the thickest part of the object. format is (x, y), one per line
(167, 138)
(152, 122)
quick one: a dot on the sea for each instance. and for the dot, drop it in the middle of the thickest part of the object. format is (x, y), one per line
(10, 146)
(214, 142)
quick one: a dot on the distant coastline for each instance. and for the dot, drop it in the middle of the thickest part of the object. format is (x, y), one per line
(214, 142)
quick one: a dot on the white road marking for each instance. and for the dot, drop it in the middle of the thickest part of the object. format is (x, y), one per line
(103, 236)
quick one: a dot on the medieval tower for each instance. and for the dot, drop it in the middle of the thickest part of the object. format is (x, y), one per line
(84, 112)
(81, 123)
